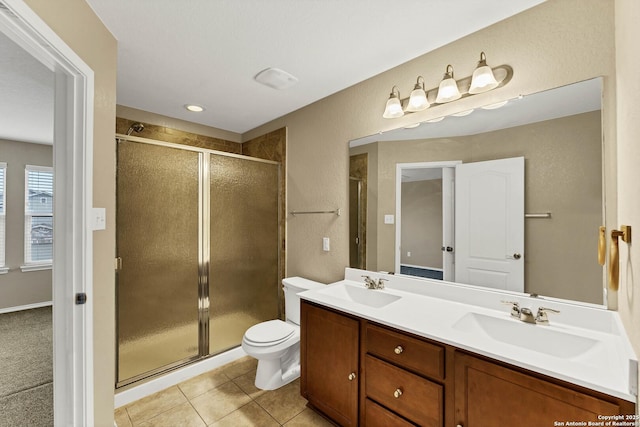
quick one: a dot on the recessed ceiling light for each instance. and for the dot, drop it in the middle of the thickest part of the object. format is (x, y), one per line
(194, 108)
(436, 120)
(276, 78)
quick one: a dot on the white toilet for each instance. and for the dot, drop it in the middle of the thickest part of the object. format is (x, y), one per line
(276, 344)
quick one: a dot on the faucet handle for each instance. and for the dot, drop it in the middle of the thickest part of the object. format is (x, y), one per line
(515, 308)
(369, 282)
(541, 316)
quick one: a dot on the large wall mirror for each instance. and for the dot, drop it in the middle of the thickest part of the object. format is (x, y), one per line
(408, 194)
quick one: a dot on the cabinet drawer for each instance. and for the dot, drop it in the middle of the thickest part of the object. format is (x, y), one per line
(411, 353)
(378, 416)
(407, 394)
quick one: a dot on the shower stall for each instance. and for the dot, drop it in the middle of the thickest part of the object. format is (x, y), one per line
(197, 252)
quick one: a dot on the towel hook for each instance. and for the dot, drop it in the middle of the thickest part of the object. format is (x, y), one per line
(614, 262)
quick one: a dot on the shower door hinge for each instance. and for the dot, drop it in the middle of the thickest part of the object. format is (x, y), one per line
(81, 298)
(117, 264)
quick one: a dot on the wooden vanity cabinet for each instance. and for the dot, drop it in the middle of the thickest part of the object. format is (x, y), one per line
(490, 394)
(329, 352)
(360, 373)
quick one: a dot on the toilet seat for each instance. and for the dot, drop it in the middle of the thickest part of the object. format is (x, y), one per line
(269, 333)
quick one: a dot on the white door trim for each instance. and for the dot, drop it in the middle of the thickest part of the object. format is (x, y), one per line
(399, 168)
(73, 183)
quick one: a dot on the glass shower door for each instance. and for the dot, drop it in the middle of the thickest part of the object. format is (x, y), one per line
(157, 242)
(243, 272)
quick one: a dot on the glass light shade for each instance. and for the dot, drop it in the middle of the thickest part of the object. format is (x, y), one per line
(393, 108)
(448, 91)
(495, 105)
(418, 100)
(482, 80)
(463, 113)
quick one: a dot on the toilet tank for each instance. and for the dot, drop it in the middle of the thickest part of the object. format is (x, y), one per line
(292, 286)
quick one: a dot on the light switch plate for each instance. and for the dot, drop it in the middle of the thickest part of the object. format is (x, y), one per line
(326, 244)
(389, 219)
(99, 219)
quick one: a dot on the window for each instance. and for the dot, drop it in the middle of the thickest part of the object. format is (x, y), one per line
(38, 216)
(3, 213)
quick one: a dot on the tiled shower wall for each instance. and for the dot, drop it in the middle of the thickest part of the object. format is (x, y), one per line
(271, 146)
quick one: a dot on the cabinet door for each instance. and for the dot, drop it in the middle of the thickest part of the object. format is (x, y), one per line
(488, 394)
(329, 361)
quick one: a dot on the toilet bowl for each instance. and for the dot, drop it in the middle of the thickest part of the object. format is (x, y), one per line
(276, 343)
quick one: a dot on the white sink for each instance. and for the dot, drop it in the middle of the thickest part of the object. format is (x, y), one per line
(538, 338)
(370, 297)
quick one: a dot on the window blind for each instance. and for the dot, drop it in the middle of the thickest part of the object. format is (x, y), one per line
(38, 215)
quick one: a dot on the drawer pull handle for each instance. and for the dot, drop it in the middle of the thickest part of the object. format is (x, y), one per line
(398, 349)
(397, 393)
(352, 376)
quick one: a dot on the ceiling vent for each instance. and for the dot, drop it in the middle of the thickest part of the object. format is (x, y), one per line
(276, 78)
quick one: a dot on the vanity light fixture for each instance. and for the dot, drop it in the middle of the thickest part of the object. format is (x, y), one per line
(495, 105)
(418, 98)
(448, 90)
(194, 108)
(483, 79)
(393, 108)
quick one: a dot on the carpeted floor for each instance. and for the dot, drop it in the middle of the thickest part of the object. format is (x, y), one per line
(26, 368)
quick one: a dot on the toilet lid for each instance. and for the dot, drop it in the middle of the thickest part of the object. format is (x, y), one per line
(269, 333)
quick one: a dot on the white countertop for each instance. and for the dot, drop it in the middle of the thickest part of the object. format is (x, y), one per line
(436, 310)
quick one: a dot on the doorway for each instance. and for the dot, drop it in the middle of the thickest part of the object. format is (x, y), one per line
(476, 211)
(73, 241)
(425, 220)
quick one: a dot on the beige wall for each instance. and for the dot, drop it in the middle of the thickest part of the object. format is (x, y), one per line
(19, 288)
(78, 26)
(422, 223)
(628, 125)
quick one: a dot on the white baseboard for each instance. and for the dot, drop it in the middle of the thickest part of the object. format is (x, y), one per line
(172, 378)
(25, 307)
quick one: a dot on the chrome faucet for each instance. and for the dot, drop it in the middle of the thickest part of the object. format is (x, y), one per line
(525, 314)
(370, 283)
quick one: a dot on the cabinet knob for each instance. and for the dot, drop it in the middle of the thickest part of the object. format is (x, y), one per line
(398, 349)
(397, 393)
(352, 376)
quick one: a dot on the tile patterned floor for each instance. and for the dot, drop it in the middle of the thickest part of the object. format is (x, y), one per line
(224, 397)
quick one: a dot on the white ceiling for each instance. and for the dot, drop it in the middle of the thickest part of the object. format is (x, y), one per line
(171, 53)
(26, 96)
(207, 52)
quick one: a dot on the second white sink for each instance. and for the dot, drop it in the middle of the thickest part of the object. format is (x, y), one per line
(359, 294)
(541, 339)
